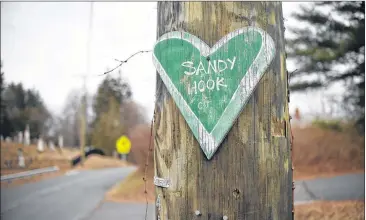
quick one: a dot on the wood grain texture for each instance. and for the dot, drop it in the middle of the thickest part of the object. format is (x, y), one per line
(250, 175)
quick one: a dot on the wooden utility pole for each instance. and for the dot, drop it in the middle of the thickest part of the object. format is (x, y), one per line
(83, 116)
(83, 123)
(250, 175)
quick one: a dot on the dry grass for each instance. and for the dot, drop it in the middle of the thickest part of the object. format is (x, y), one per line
(100, 162)
(132, 189)
(319, 152)
(59, 155)
(33, 159)
(343, 210)
(48, 158)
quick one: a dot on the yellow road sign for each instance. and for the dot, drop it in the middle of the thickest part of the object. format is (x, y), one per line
(123, 145)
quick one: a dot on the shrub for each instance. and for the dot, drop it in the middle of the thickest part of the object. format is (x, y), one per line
(335, 125)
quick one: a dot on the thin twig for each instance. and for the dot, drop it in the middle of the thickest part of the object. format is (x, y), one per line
(293, 71)
(125, 61)
(290, 74)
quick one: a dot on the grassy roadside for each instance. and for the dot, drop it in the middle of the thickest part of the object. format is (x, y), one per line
(95, 162)
(33, 159)
(324, 153)
(18, 182)
(132, 189)
(341, 210)
(317, 153)
(49, 158)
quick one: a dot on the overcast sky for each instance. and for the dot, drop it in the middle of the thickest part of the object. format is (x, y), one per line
(44, 46)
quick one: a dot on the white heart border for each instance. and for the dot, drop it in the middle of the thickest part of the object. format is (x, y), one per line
(210, 142)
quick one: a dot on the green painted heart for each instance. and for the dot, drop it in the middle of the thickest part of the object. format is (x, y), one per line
(212, 85)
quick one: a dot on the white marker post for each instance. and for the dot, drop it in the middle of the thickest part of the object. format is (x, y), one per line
(20, 137)
(60, 141)
(21, 161)
(40, 146)
(51, 145)
(27, 136)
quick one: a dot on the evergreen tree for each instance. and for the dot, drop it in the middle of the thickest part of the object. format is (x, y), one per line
(5, 125)
(115, 113)
(108, 128)
(110, 87)
(324, 43)
(22, 107)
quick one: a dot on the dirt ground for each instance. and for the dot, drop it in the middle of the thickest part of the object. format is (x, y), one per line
(343, 210)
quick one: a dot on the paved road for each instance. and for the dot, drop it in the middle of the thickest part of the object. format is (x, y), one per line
(345, 187)
(70, 197)
(79, 197)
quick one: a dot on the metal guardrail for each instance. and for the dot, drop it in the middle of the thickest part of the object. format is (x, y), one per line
(29, 173)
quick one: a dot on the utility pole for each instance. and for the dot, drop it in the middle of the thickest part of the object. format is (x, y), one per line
(250, 175)
(83, 112)
(83, 122)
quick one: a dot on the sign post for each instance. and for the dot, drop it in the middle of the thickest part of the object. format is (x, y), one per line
(221, 147)
(123, 146)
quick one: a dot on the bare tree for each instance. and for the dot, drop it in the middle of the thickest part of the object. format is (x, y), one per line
(68, 122)
(132, 114)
